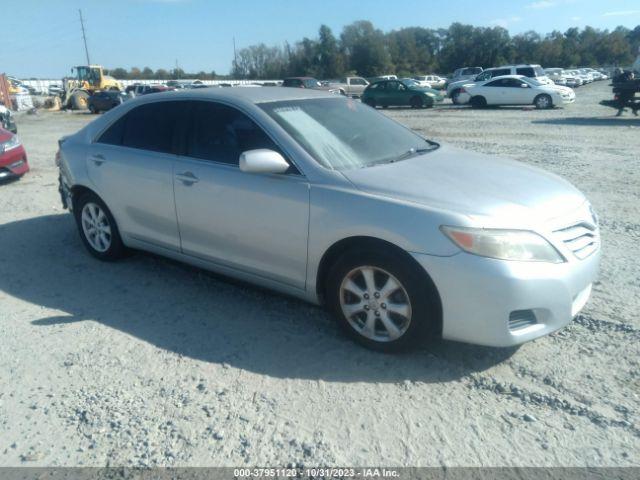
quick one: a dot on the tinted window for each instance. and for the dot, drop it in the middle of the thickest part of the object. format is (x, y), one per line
(513, 82)
(526, 71)
(222, 133)
(496, 83)
(113, 134)
(151, 127)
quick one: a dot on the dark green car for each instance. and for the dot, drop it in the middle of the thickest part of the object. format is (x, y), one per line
(400, 93)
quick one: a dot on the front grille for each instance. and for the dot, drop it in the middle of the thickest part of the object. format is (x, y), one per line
(519, 319)
(581, 238)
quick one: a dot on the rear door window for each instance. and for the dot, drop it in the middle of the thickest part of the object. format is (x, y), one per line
(147, 127)
(153, 126)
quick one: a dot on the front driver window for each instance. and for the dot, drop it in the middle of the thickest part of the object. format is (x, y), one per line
(221, 133)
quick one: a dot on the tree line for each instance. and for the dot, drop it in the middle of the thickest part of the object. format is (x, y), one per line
(362, 49)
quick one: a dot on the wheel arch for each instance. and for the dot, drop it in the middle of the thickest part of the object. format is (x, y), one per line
(333, 253)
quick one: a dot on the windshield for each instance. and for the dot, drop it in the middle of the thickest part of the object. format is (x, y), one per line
(539, 71)
(342, 134)
(533, 81)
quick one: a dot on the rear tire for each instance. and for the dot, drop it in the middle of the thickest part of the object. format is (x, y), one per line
(394, 306)
(478, 102)
(543, 102)
(97, 228)
(92, 108)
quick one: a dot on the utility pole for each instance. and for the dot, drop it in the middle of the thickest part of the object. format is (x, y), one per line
(235, 55)
(84, 37)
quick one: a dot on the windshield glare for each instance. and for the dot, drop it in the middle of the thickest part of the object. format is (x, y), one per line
(342, 134)
(533, 81)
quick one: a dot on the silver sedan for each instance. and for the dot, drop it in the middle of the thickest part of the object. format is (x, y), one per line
(323, 198)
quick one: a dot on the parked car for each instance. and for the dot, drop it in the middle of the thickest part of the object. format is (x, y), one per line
(531, 71)
(13, 157)
(106, 100)
(350, 86)
(54, 90)
(434, 81)
(147, 89)
(6, 120)
(516, 90)
(420, 83)
(465, 73)
(325, 199)
(397, 93)
(557, 75)
(308, 82)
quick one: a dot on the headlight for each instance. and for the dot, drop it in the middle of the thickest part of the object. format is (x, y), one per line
(521, 245)
(13, 142)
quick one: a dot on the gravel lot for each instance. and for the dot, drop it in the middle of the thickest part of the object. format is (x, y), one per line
(148, 362)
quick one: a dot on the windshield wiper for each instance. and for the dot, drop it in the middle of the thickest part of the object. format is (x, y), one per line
(412, 152)
(408, 154)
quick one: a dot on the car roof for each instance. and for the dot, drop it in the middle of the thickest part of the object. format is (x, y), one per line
(249, 95)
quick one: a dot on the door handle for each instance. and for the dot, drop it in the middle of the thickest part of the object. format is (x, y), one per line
(187, 178)
(98, 159)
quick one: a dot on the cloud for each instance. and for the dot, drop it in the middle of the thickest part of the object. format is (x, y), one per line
(542, 4)
(576, 19)
(621, 13)
(505, 22)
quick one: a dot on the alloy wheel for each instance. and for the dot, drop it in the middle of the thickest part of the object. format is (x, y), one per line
(375, 304)
(96, 228)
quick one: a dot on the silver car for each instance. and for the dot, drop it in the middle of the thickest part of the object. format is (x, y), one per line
(323, 198)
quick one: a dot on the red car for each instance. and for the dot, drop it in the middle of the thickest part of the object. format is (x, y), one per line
(13, 158)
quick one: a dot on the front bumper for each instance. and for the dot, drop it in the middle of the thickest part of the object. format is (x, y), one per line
(13, 163)
(504, 303)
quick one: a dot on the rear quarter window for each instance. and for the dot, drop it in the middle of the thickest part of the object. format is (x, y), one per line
(526, 71)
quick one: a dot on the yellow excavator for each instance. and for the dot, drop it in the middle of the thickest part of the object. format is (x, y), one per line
(86, 80)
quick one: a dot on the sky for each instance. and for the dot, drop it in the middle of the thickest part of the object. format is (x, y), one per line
(43, 38)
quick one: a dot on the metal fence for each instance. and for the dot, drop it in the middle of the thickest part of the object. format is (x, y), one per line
(43, 85)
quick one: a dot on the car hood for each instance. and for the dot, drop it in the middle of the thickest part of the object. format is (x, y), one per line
(471, 184)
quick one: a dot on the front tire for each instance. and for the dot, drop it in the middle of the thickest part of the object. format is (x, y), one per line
(382, 300)
(97, 228)
(455, 96)
(543, 102)
(416, 102)
(478, 102)
(371, 102)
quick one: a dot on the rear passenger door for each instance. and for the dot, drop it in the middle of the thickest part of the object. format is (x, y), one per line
(253, 223)
(131, 166)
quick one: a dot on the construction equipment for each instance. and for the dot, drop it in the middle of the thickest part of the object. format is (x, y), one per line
(87, 80)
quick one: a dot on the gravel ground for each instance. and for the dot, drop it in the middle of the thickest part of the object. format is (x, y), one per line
(148, 362)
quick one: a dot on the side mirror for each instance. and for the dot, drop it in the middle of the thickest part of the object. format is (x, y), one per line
(524, 85)
(262, 161)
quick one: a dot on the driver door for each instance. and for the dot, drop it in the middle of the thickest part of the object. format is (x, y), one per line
(253, 223)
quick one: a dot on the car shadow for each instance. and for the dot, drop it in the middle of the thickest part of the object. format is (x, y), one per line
(612, 121)
(204, 316)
